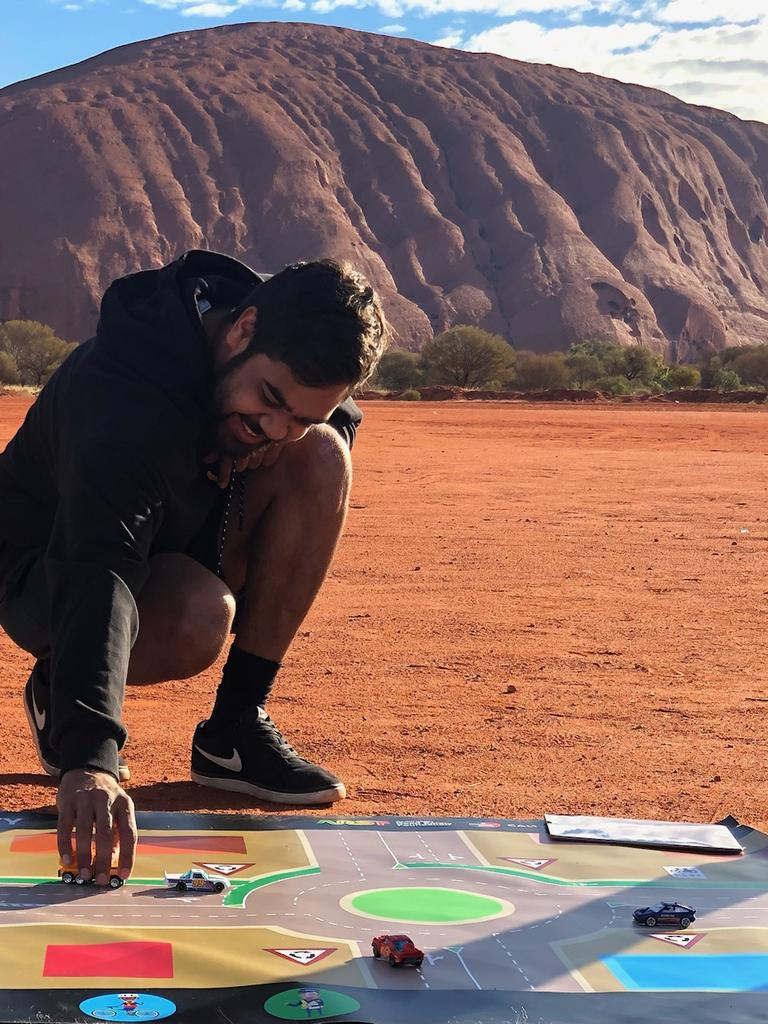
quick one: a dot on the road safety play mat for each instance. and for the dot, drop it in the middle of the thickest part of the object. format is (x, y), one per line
(513, 926)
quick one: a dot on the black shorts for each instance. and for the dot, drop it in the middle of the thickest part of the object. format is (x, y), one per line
(24, 596)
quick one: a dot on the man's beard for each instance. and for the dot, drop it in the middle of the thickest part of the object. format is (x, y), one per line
(218, 432)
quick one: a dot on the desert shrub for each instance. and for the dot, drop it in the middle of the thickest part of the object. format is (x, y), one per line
(398, 369)
(9, 373)
(583, 368)
(411, 395)
(467, 357)
(536, 372)
(681, 377)
(615, 385)
(752, 366)
(34, 348)
(726, 380)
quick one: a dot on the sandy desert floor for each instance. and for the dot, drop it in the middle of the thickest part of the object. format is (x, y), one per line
(534, 608)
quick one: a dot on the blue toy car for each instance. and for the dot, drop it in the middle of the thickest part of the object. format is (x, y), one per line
(673, 915)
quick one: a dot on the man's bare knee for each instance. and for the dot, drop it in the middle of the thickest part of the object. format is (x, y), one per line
(185, 615)
(319, 462)
(205, 620)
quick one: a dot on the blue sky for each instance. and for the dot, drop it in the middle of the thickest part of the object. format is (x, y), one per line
(713, 52)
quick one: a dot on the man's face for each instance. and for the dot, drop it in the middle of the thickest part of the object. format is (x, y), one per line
(260, 401)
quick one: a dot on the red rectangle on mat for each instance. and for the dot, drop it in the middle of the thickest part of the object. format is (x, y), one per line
(45, 842)
(110, 960)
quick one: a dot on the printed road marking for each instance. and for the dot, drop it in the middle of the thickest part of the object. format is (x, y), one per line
(303, 956)
(683, 941)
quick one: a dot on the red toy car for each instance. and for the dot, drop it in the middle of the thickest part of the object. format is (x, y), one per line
(398, 949)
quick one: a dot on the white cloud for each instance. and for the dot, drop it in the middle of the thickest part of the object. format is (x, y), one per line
(392, 30)
(502, 8)
(701, 12)
(191, 8)
(722, 66)
(580, 44)
(72, 7)
(451, 40)
(294, 5)
(209, 10)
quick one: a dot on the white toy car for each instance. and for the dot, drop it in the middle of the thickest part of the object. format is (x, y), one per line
(196, 880)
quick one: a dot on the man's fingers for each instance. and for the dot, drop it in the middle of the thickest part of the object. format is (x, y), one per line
(125, 820)
(64, 835)
(103, 860)
(84, 840)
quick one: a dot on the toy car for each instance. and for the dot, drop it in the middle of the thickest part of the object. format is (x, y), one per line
(196, 880)
(69, 874)
(674, 914)
(398, 949)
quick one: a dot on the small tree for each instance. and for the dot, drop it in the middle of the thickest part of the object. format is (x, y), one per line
(398, 370)
(681, 377)
(35, 349)
(641, 365)
(541, 372)
(752, 366)
(583, 368)
(9, 373)
(726, 380)
(616, 385)
(610, 355)
(467, 357)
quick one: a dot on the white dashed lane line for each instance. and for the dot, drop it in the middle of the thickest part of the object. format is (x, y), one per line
(352, 856)
(517, 965)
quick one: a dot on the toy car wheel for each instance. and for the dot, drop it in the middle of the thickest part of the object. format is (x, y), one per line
(376, 951)
(67, 878)
(218, 887)
(650, 921)
(115, 881)
(392, 961)
(181, 887)
(80, 881)
(684, 922)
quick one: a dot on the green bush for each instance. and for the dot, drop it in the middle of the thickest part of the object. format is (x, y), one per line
(398, 369)
(613, 385)
(726, 380)
(536, 372)
(467, 357)
(681, 377)
(9, 373)
(34, 348)
(411, 395)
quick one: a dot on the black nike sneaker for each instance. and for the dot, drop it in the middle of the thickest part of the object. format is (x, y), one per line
(37, 704)
(252, 756)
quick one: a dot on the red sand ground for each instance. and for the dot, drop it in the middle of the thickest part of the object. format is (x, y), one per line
(535, 608)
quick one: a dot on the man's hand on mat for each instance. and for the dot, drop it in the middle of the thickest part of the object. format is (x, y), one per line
(93, 803)
(224, 465)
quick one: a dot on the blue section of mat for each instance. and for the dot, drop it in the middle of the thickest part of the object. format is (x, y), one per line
(734, 972)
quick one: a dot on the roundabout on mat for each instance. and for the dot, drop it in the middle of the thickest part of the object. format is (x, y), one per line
(426, 905)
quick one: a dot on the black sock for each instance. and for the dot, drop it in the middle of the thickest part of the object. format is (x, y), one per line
(245, 684)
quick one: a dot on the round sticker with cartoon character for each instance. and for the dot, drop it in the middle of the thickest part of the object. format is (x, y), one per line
(128, 1006)
(310, 1002)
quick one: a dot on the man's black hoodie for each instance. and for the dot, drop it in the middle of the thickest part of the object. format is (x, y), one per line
(106, 471)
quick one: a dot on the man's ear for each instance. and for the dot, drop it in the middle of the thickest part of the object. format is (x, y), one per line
(238, 335)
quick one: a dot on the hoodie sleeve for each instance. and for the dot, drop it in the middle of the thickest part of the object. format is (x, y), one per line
(346, 418)
(96, 564)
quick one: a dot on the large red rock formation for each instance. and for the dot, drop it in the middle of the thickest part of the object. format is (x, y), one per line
(543, 204)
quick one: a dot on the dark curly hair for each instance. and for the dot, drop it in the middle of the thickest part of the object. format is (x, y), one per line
(322, 319)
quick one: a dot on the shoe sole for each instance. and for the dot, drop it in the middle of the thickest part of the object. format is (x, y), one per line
(124, 772)
(320, 796)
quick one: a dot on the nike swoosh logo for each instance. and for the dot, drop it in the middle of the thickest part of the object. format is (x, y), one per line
(40, 716)
(233, 764)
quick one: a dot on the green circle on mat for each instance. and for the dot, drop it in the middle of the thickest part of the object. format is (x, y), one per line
(434, 906)
(298, 1003)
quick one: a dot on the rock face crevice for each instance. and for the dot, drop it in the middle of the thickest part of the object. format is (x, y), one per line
(542, 204)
